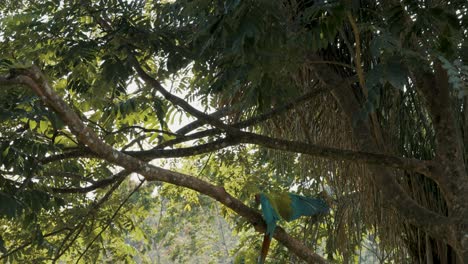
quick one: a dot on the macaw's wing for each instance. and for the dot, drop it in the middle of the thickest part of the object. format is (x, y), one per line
(281, 202)
(269, 214)
(306, 206)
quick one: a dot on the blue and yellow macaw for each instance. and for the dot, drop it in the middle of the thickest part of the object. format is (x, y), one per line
(288, 206)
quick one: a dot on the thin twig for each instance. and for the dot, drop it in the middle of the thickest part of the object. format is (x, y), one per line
(96, 185)
(109, 221)
(82, 224)
(30, 242)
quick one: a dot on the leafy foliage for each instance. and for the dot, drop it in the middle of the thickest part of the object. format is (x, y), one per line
(60, 201)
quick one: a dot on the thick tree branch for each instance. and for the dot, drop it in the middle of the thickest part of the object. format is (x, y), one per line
(296, 147)
(449, 150)
(435, 89)
(157, 152)
(415, 165)
(88, 137)
(337, 154)
(392, 192)
(78, 153)
(40, 86)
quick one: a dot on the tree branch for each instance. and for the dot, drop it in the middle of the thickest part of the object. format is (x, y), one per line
(177, 100)
(198, 123)
(79, 227)
(420, 166)
(109, 222)
(416, 165)
(392, 192)
(262, 117)
(210, 132)
(40, 86)
(79, 153)
(240, 125)
(379, 159)
(96, 185)
(53, 233)
(449, 150)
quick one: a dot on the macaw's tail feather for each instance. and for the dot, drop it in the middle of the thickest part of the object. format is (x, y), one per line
(265, 247)
(307, 206)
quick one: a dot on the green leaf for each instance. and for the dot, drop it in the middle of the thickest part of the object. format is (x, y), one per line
(9, 207)
(32, 124)
(374, 76)
(160, 108)
(5, 152)
(64, 141)
(43, 125)
(2, 245)
(381, 43)
(153, 137)
(167, 137)
(38, 236)
(396, 74)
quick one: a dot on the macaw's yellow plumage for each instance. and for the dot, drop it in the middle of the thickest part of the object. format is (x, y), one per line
(287, 206)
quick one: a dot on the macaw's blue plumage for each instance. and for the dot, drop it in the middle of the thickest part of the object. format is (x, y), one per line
(306, 206)
(289, 207)
(270, 214)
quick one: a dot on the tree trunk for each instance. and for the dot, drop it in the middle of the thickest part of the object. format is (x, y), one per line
(448, 169)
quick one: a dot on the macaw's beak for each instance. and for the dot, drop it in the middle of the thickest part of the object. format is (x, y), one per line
(326, 197)
(257, 198)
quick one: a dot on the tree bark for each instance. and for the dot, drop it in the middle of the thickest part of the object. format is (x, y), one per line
(34, 79)
(450, 229)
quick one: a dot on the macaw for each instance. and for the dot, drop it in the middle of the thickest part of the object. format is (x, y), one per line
(288, 206)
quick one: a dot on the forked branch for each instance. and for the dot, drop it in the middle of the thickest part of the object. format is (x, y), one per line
(34, 80)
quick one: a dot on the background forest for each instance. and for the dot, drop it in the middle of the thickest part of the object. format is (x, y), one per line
(140, 131)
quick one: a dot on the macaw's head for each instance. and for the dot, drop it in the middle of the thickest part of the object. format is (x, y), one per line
(326, 197)
(257, 198)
